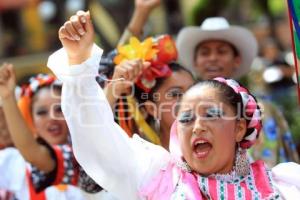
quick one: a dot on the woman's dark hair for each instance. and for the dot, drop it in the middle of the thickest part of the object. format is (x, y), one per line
(106, 67)
(140, 94)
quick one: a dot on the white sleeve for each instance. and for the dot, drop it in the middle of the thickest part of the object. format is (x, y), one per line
(116, 162)
(287, 179)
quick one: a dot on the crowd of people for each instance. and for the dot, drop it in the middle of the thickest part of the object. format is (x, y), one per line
(155, 118)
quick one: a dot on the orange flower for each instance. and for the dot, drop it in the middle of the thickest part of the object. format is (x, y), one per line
(136, 50)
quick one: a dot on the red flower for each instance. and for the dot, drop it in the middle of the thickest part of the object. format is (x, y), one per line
(159, 68)
(167, 51)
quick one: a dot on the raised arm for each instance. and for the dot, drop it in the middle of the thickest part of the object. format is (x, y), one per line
(142, 10)
(33, 152)
(116, 162)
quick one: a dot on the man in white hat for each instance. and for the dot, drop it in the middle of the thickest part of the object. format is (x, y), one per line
(216, 48)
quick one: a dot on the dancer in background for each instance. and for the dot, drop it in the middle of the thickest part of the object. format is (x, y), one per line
(144, 100)
(41, 140)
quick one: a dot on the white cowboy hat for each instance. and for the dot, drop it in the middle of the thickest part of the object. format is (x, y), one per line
(217, 28)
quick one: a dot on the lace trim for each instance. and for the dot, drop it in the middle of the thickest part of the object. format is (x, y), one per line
(228, 177)
(232, 176)
(184, 166)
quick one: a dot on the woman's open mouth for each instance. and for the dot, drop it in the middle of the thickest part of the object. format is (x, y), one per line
(201, 148)
(54, 129)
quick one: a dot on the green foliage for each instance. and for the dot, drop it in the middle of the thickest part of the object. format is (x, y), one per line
(296, 39)
(295, 125)
(277, 7)
(199, 6)
(297, 7)
(297, 44)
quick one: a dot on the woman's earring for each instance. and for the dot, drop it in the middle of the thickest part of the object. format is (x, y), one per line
(242, 164)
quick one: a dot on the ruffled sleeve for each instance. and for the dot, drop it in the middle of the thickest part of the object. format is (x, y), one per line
(116, 162)
(287, 179)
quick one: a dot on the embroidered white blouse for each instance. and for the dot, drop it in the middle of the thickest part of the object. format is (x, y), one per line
(120, 164)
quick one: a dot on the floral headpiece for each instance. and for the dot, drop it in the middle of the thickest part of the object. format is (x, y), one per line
(35, 83)
(38, 81)
(159, 51)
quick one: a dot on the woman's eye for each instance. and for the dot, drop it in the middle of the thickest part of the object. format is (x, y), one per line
(186, 118)
(213, 113)
(175, 93)
(41, 112)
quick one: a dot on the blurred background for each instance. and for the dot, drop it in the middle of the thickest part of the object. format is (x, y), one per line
(28, 34)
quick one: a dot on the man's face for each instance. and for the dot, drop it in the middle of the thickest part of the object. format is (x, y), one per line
(214, 58)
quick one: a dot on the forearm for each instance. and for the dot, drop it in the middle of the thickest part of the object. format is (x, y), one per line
(135, 26)
(23, 138)
(137, 22)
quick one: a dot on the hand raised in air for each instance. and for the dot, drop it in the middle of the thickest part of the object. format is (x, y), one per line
(77, 37)
(7, 80)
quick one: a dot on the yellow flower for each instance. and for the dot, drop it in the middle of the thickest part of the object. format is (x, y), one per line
(136, 50)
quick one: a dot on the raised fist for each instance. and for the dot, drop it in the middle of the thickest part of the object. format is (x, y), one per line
(77, 37)
(7, 81)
